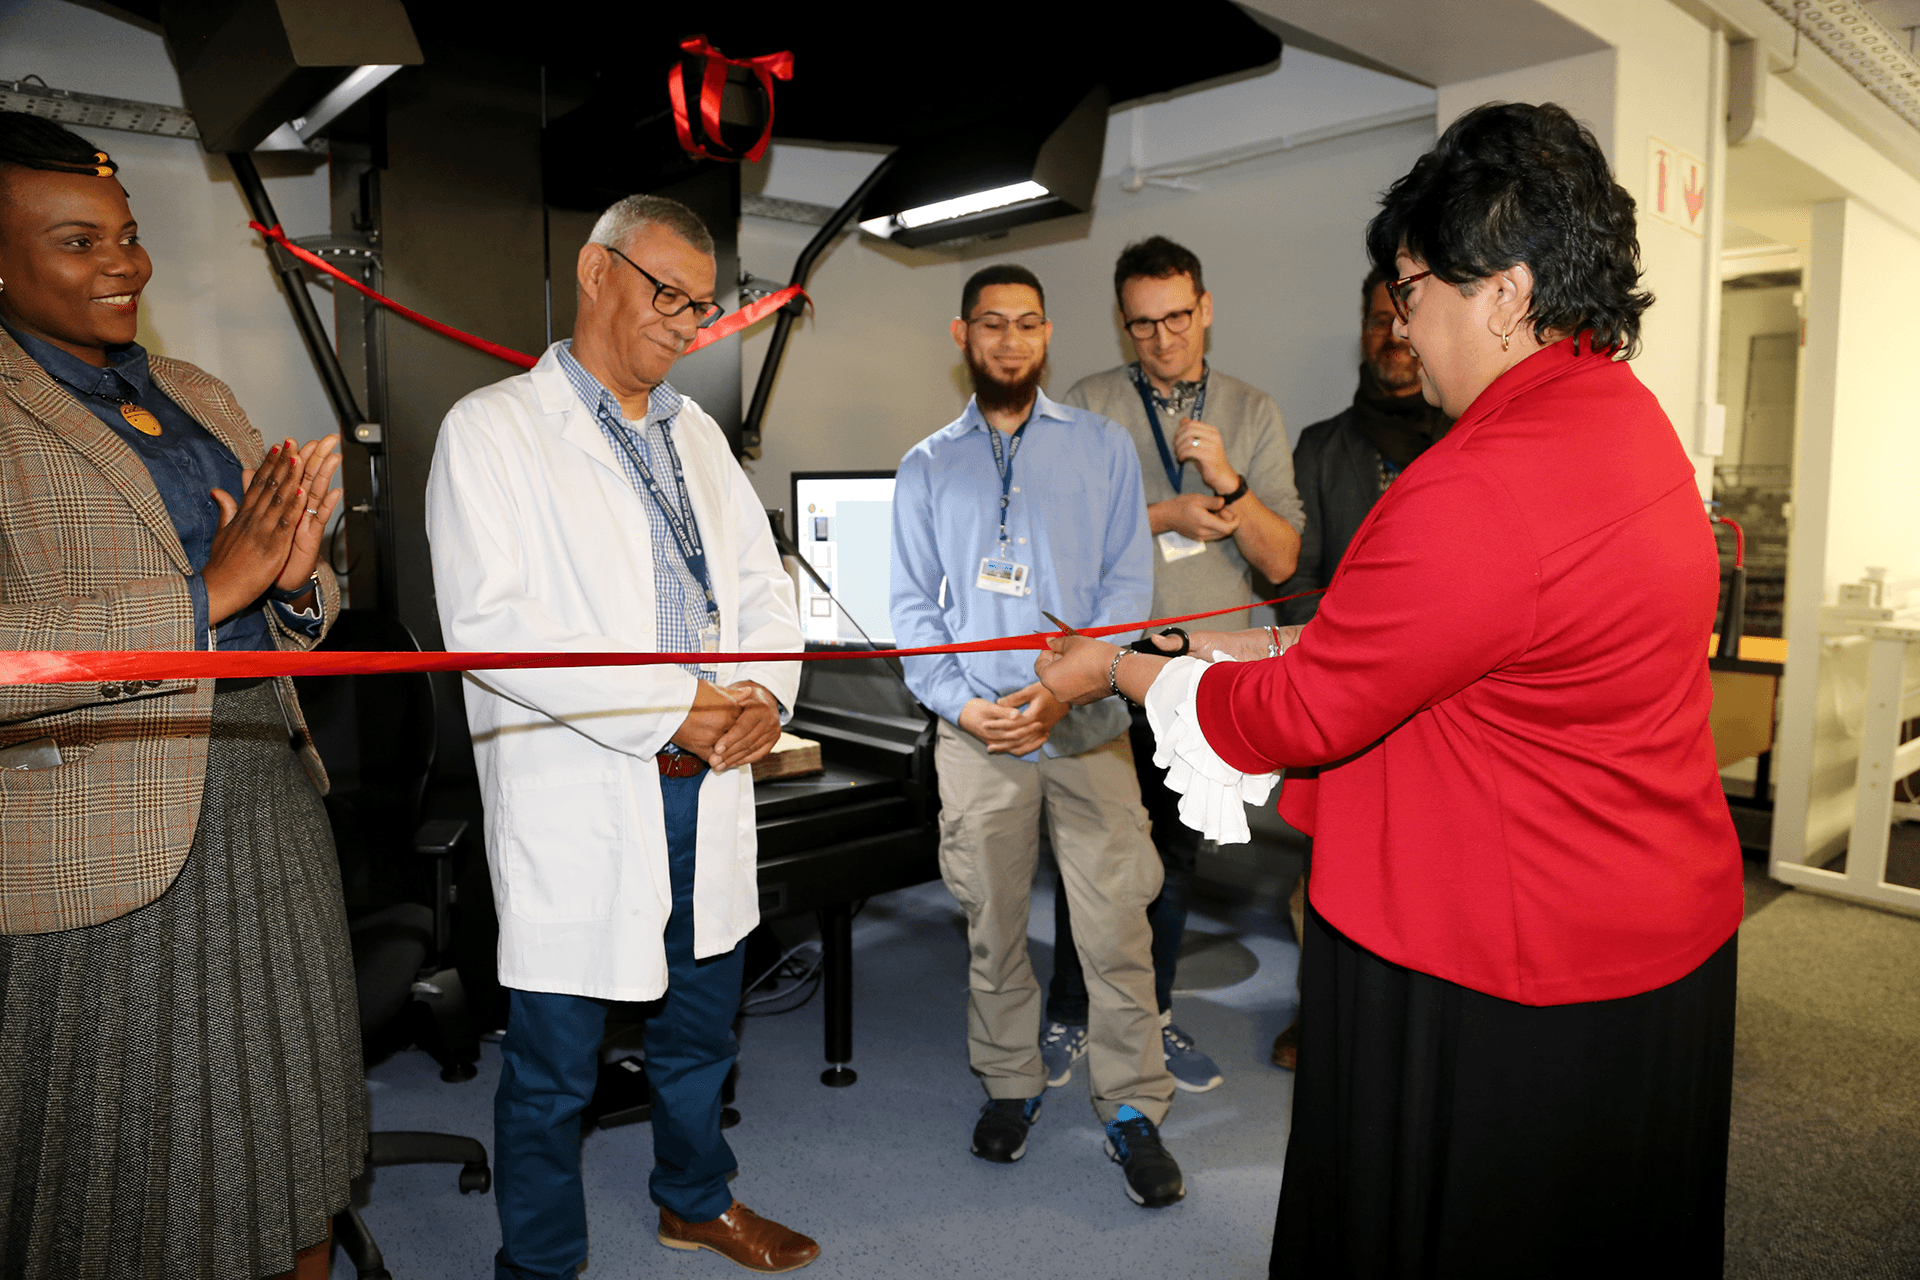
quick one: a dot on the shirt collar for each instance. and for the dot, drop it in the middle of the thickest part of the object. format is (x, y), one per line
(126, 366)
(663, 402)
(974, 420)
(1184, 393)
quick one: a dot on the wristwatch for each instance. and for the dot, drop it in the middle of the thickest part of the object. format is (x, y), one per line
(279, 596)
(1228, 499)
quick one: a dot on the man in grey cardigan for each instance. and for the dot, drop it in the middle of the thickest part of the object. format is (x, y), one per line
(1221, 503)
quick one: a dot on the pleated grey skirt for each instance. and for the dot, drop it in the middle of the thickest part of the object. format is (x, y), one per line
(181, 1091)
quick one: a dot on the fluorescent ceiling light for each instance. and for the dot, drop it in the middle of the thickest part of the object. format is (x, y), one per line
(957, 207)
(296, 133)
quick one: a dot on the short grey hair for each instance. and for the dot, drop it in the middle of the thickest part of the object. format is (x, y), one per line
(621, 221)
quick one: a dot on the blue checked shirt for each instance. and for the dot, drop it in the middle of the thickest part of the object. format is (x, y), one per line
(680, 599)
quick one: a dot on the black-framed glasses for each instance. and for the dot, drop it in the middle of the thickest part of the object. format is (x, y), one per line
(1029, 325)
(1398, 291)
(669, 300)
(1176, 322)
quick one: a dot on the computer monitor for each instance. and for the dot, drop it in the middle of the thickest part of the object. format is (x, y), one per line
(843, 526)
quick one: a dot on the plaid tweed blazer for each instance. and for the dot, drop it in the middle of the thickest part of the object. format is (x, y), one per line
(89, 560)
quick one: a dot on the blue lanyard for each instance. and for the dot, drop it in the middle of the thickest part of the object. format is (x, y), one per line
(1003, 463)
(1175, 471)
(686, 533)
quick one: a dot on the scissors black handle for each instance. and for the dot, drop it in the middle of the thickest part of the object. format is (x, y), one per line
(1145, 644)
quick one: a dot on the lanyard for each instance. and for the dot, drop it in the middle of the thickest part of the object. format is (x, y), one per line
(686, 534)
(1175, 471)
(1003, 463)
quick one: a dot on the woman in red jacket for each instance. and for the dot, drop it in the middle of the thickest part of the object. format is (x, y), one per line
(1517, 999)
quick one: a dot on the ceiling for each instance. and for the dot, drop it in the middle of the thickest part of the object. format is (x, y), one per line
(1438, 41)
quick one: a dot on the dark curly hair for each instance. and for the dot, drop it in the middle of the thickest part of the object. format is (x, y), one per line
(1156, 258)
(1510, 183)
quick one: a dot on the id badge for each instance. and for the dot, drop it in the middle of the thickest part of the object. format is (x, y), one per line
(1003, 576)
(1175, 545)
(710, 639)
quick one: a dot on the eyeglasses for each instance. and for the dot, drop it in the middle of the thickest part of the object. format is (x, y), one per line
(668, 300)
(1176, 322)
(1027, 326)
(1397, 291)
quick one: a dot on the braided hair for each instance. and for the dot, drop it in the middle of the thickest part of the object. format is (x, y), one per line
(36, 142)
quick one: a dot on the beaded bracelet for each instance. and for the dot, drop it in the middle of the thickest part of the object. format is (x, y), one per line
(1112, 669)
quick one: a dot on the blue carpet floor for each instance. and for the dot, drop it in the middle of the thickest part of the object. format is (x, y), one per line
(879, 1172)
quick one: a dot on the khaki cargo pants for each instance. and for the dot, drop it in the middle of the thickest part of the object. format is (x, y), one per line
(990, 808)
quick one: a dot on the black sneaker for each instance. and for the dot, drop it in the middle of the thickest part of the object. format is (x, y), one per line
(1000, 1135)
(1153, 1178)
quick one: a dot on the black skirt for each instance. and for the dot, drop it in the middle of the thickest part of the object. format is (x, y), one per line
(1440, 1132)
(181, 1091)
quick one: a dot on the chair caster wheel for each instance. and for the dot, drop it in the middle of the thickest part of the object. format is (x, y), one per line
(476, 1177)
(729, 1117)
(459, 1072)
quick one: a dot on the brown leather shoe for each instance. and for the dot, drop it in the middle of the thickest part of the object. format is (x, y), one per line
(1286, 1047)
(742, 1236)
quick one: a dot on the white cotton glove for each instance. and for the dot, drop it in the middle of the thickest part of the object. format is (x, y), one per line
(1213, 794)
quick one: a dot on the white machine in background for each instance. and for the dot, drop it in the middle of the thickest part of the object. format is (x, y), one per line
(843, 526)
(1868, 686)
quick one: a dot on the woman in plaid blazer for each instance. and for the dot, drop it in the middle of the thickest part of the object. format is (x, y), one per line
(180, 1078)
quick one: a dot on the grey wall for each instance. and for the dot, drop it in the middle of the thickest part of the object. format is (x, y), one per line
(872, 370)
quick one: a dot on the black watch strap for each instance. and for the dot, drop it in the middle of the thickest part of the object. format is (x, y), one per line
(1228, 499)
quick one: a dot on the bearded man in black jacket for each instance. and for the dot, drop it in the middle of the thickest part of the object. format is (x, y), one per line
(1342, 465)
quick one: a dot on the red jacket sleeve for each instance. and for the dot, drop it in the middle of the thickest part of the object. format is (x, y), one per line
(1438, 589)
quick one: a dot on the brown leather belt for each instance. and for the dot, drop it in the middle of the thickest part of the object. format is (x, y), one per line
(679, 764)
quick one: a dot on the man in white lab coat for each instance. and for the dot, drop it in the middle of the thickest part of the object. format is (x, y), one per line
(588, 506)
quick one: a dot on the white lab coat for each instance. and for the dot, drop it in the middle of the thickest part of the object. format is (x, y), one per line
(540, 543)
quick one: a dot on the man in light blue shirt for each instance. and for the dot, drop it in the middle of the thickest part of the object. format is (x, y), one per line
(1019, 506)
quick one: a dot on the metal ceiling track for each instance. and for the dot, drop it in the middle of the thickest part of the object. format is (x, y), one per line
(89, 110)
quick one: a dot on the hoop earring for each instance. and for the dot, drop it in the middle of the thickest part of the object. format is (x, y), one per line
(1505, 338)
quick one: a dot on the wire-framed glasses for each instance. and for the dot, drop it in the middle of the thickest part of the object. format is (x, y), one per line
(1029, 325)
(668, 300)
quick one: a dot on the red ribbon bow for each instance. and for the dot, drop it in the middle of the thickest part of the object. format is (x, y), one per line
(768, 67)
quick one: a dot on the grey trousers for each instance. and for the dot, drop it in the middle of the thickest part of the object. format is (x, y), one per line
(990, 808)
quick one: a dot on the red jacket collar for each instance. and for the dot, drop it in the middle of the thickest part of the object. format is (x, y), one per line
(1543, 366)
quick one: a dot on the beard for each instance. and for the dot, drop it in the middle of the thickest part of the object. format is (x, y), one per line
(1396, 368)
(997, 395)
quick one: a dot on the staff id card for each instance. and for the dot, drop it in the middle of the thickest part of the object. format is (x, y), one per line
(1004, 576)
(1175, 545)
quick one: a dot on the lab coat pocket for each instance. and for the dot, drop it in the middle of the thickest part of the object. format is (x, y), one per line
(565, 840)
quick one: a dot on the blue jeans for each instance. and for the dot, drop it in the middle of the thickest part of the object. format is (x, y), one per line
(551, 1061)
(1179, 847)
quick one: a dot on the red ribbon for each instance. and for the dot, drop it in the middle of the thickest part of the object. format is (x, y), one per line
(721, 328)
(69, 665)
(767, 68)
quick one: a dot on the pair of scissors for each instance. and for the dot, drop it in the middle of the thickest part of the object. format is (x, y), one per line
(1142, 645)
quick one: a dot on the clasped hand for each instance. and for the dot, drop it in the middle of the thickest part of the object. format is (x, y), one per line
(1014, 724)
(1204, 517)
(271, 536)
(732, 726)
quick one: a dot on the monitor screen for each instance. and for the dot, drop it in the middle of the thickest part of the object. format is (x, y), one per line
(843, 525)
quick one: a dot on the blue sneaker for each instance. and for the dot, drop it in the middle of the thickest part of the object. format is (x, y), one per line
(1191, 1069)
(1061, 1045)
(1133, 1143)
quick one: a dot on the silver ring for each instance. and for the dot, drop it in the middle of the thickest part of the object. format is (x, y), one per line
(313, 511)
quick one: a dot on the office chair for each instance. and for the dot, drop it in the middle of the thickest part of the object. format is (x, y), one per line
(376, 735)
